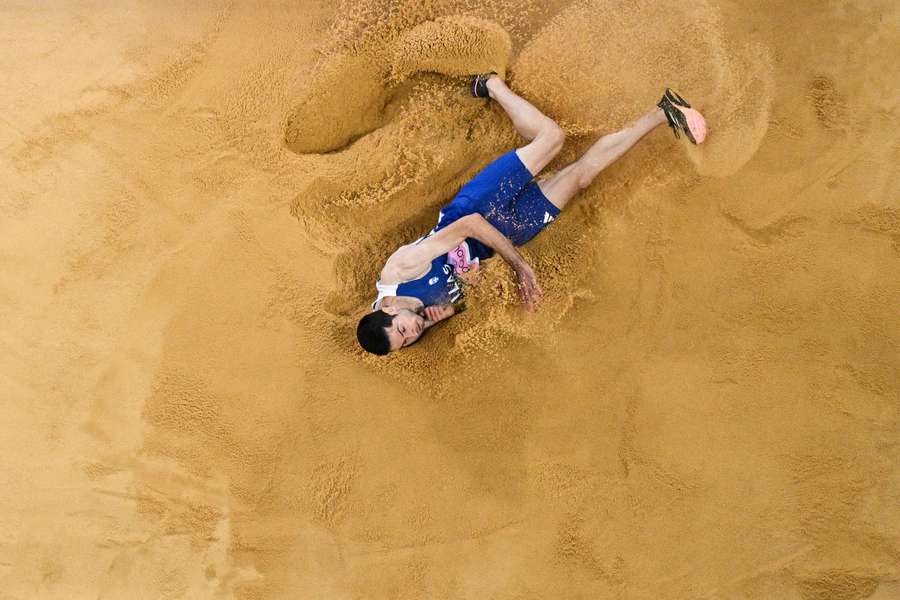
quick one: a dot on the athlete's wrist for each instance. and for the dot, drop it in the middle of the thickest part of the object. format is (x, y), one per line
(519, 264)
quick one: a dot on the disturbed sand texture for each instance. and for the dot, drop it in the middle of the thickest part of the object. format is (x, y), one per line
(706, 406)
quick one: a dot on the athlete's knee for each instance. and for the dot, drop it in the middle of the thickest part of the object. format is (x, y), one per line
(554, 135)
(543, 148)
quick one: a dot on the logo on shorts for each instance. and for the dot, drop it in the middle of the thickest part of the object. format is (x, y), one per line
(547, 217)
(433, 280)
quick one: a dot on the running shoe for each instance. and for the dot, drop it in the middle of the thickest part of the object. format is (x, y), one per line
(479, 85)
(683, 118)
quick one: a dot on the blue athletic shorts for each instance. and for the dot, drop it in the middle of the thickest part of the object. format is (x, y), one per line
(504, 194)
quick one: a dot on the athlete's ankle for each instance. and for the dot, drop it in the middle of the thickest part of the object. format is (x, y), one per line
(493, 83)
(659, 116)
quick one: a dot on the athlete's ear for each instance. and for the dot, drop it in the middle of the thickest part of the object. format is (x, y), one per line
(390, 310)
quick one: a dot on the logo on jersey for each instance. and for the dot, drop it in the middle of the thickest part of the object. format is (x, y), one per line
(433, 280)
(453, 290)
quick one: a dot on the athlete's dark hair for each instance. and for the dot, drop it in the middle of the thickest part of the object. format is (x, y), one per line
(371, 332)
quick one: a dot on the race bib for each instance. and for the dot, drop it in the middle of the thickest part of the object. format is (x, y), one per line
(462, 260)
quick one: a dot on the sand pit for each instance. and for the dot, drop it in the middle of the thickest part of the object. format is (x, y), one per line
(199, 200)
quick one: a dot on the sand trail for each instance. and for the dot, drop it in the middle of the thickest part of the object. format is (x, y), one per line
(733, 78)
(198, 201)
(353, 85)
(608, 80)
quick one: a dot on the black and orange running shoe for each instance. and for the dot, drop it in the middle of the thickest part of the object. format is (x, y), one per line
(682, 118)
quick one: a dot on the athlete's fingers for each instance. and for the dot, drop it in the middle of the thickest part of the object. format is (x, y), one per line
(529, 302)
(537, 292)
(530, 295)
(530, 290)
(438, 312)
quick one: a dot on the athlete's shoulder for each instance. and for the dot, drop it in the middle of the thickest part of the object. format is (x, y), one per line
(407, 263)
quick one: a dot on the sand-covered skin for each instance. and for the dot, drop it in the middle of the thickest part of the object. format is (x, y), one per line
(199, 200)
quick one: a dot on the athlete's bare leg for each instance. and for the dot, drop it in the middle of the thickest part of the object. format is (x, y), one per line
(545, 135)
(565, 183)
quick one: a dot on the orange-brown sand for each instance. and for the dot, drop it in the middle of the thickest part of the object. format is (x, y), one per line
(197, 202)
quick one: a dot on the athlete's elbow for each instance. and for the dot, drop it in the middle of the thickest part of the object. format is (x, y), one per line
(471, 224)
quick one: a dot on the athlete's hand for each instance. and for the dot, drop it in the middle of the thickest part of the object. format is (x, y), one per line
(438, 312)
(528, 286)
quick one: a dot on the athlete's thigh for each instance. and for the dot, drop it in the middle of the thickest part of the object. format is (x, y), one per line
(562, 186)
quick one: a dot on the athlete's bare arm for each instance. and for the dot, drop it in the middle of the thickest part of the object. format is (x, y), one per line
(407, 302)
(413, 260)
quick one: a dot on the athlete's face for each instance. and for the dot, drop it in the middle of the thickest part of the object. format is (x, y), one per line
(406, 328)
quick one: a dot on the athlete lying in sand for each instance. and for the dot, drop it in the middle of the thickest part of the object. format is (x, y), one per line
(499, 209)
